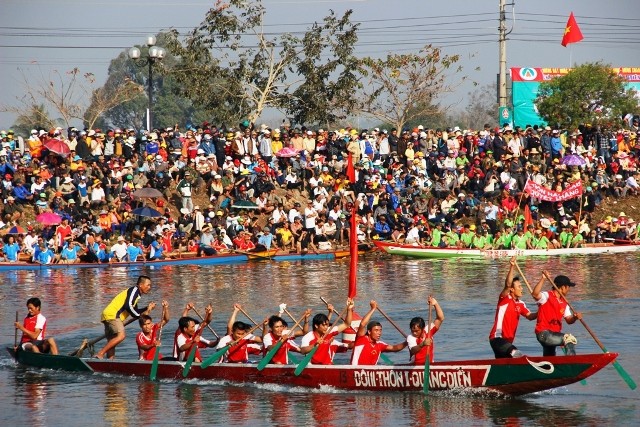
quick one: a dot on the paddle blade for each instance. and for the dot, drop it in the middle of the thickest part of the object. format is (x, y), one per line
(425, 382)
(625, 376)
(215, 356)
(305, 361)
(385, 359)
(267, 358)
(154, 365)
(190, 359)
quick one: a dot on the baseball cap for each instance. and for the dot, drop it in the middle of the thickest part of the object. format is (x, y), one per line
(563, 281)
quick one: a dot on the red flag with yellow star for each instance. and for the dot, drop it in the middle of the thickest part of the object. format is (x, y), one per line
(572, 33)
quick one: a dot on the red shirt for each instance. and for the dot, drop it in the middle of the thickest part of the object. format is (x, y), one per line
(508, 314)
(142, 339)
(421, 356)
(325, 352)
(282, 355)
(31, 323)
(551, 310)
(367, 351)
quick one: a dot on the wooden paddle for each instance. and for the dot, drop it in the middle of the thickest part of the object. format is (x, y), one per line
(156, 356)
(392, 322)
(85, 343)
(625, 376)
(252, 254)
(218, 354)
(15, 334)
(526, 282)
(427, 368)
(208, 325)
(249, 317)
(267, 358)
(192, 353)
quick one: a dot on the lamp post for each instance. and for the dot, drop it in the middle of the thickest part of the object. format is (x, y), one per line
(155, 54)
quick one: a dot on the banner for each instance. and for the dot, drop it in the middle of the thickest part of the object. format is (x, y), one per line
(526, 81)
(537, 191)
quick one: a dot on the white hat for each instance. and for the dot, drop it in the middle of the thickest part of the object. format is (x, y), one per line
(216, 176)
(67, 180)
(246, 160)
(228, 158)
(184, 211)
(200, 151)
(158, 157)
(91, 132)
(120, 239)
(127, 164)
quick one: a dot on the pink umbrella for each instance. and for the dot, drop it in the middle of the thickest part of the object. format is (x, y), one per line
(287, 152)
(49, 218)
(57, 146)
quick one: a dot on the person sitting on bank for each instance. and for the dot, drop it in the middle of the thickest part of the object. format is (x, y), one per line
(34, 328)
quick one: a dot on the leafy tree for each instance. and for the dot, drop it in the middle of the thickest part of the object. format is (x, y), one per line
(399, 88)
(589, 93)
(329, 72)
(229, 65)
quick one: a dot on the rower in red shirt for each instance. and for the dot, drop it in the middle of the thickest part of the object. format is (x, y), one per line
(368, 346)
(245, 342)
(278, 330)
(324, 336)
(508, 313)
(147, 339)
(189, 333)
(34, 328)
(421, 339)
(552, 308)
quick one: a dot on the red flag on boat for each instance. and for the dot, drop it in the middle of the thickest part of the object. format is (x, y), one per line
(353, 251)
(351, 171)
(572, 33)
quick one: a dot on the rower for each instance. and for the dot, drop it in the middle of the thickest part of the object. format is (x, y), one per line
(368, 346)
(246, 343)
(421, 337)
(34, 328)
(323, 336)
(278, 329)
(188, 335)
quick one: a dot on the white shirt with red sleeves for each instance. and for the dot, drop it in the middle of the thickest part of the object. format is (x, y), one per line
(31, 323)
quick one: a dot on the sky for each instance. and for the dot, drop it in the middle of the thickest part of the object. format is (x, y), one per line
(39, 36)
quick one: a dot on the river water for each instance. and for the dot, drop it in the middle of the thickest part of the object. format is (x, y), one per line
(607, 294)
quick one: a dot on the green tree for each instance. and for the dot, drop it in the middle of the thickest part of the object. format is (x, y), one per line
(589, 93)
(329, 72)
(231, 66)
(400, 88)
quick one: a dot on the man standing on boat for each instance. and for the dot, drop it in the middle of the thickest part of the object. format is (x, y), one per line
(323, 336)
(508, 313)
(368, 346)
(125, 304)
(552, 308)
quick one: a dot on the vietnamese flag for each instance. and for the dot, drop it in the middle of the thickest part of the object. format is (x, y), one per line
(572, 33)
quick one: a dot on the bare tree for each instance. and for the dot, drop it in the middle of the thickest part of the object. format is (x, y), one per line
(401, 87)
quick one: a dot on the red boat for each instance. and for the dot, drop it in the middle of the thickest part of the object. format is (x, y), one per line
(504, 376)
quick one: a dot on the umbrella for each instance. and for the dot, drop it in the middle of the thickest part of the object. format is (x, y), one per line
(244, 204)
(49, 218)
(287, 152)
(573, 160)
(16, 229)
(149, 192)
(57, 146)
(146, 211)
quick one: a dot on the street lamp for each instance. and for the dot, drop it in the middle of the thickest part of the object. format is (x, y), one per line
(155, 54)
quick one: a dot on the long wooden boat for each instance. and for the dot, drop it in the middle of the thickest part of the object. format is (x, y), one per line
(415, 251)
(504, 376)
(306, 256)
(182, 260)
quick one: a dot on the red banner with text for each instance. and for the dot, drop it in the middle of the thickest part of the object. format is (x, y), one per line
(539, 192)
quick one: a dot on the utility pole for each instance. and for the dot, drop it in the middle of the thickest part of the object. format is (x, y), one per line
(504, 113)
(502, 39)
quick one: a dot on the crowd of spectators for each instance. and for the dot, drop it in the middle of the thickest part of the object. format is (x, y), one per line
(287, 188)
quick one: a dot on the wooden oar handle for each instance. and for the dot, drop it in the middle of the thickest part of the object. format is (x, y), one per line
(208, 325)
(392, 322)
(249, 317)
(524, 279)
(593, 335)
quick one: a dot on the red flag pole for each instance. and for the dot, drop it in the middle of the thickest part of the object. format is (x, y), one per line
(353, 251)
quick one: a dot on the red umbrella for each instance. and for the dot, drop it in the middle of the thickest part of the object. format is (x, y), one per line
(49, 218)
(57, 146)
